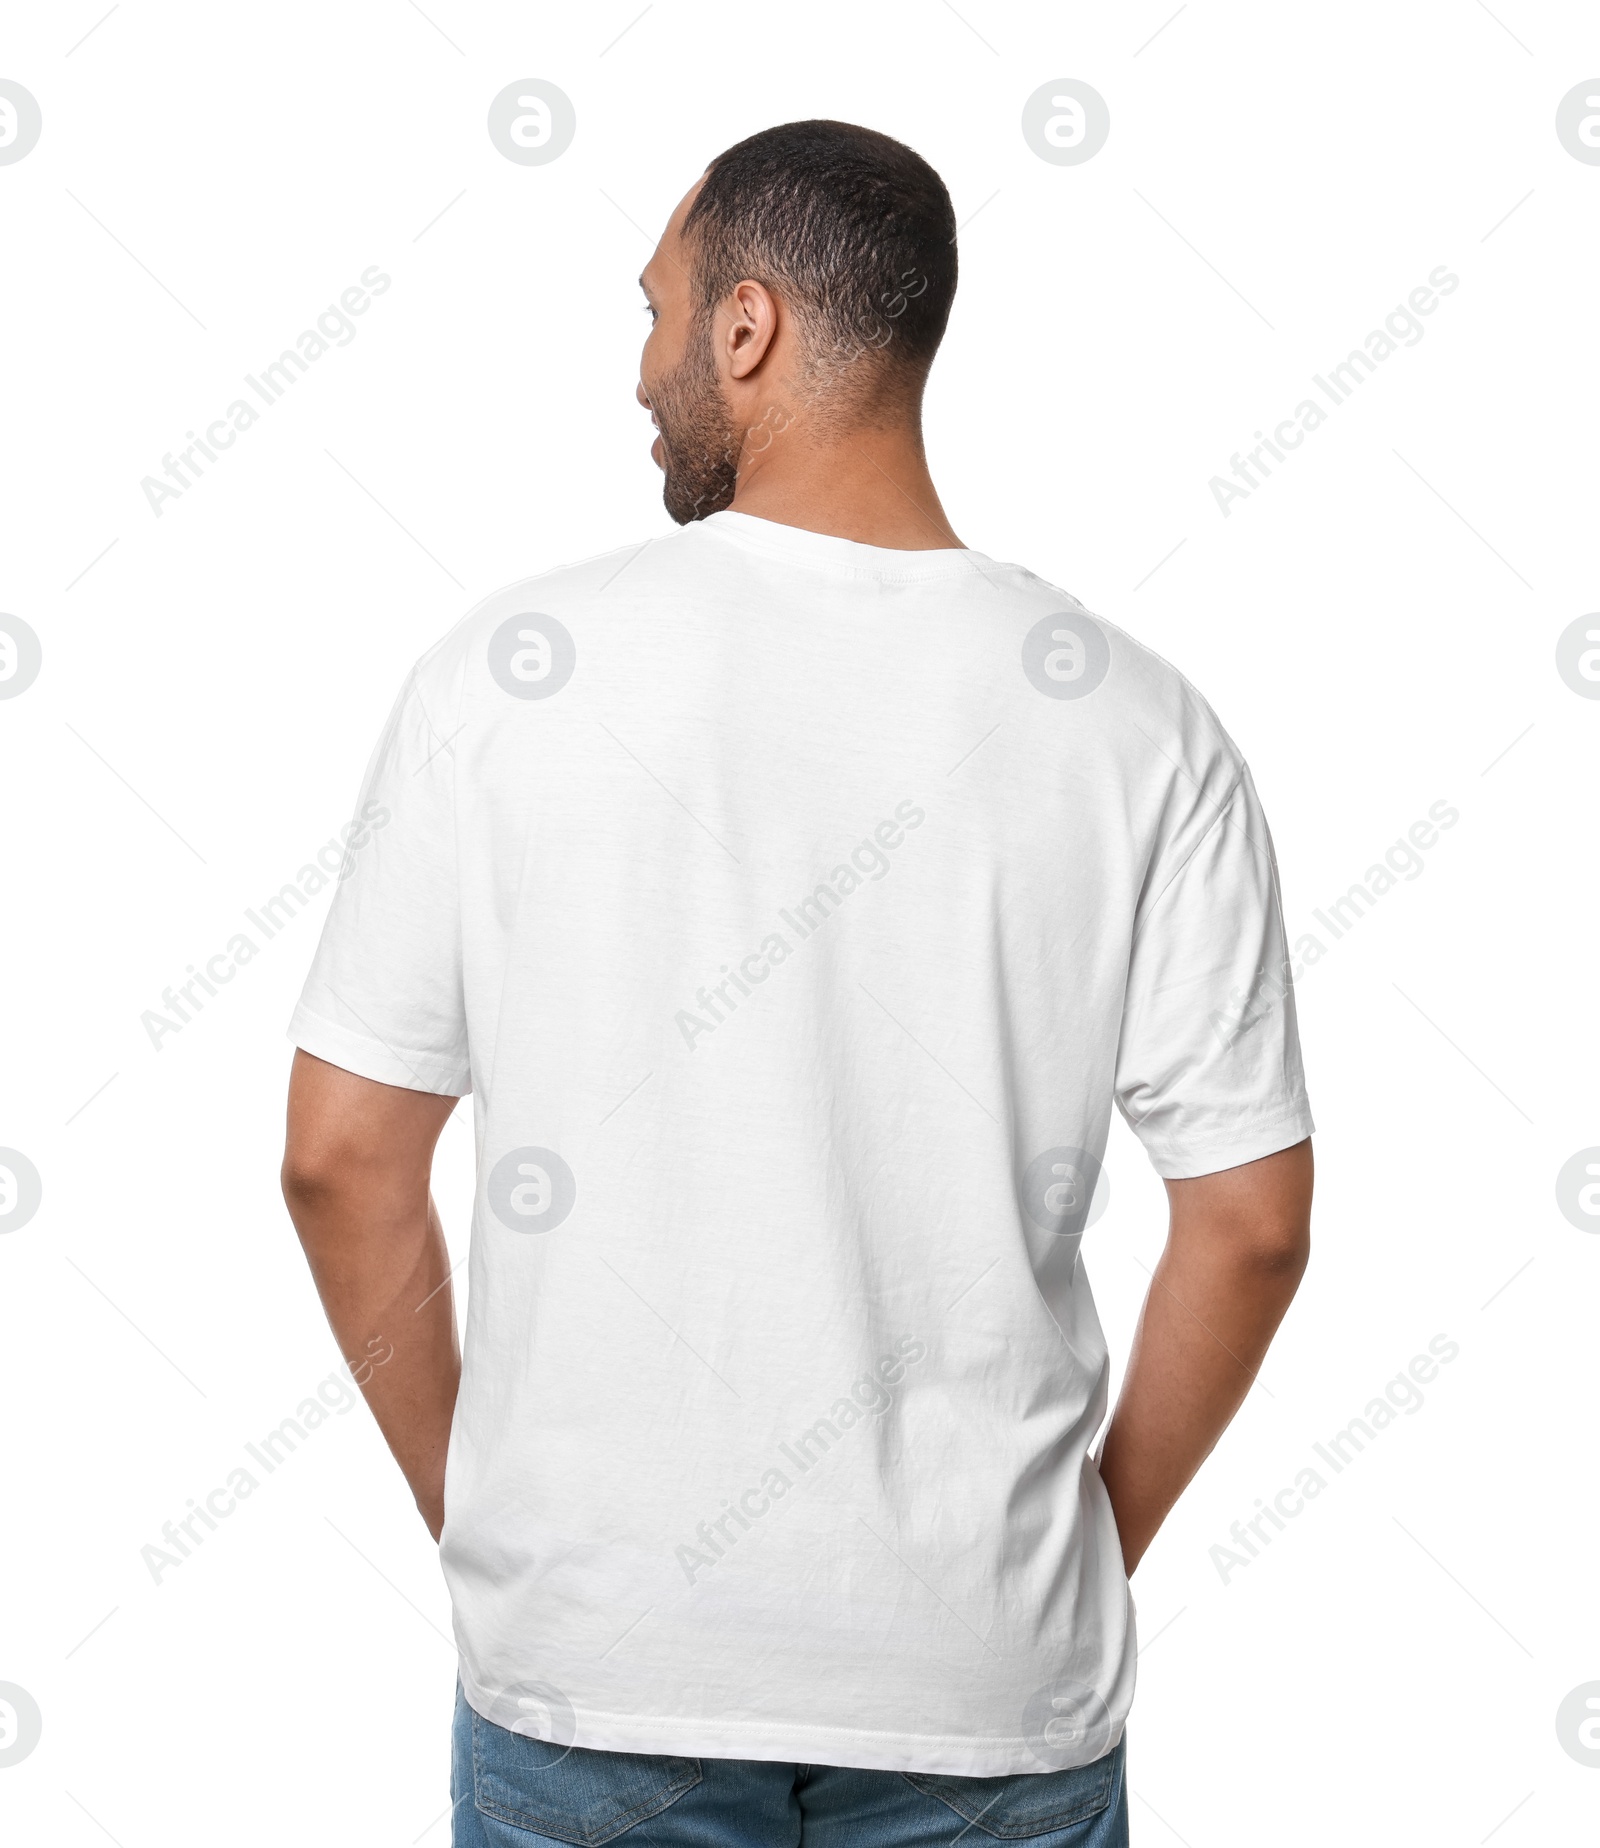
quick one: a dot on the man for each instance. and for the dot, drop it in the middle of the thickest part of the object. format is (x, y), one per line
(795, 894)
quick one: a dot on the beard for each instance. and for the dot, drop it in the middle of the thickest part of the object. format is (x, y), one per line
(700, 443)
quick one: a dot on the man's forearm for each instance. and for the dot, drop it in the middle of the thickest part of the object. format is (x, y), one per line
(1233, 1261)
(388, 1301)
(358, 1194)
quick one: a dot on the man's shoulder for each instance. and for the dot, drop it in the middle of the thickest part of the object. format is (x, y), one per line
(519, 631)
(523, 636)
(579, 584)
(1070, 652)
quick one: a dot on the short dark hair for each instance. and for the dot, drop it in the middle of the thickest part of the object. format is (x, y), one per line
(854, 230)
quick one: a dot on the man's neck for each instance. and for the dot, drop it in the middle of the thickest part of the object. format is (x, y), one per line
(871, 485)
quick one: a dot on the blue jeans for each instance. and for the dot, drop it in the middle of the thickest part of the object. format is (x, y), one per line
(514, 1792)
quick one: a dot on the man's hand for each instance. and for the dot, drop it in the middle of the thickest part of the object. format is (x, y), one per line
(355, 1176)
(1236, 1249)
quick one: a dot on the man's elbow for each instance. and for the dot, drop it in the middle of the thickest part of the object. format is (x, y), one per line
(317, 1172)
(306, 1179)
(1256, 1218)
(1275, 1224)
(1279, 1249)
(357, 1153)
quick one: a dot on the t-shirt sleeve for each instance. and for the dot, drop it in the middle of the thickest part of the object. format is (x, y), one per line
(384, 996)
(1208, 1067)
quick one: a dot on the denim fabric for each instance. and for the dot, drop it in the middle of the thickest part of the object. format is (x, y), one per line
(514, 1792)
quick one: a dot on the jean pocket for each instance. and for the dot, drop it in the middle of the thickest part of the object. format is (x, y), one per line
(1018, 1808)
(567, 1793)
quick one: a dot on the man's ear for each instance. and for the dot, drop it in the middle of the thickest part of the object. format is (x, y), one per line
(750, 328)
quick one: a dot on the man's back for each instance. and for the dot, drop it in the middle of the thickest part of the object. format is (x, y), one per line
(796, 909)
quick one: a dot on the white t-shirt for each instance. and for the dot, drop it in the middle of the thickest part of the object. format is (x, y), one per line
(794, 910)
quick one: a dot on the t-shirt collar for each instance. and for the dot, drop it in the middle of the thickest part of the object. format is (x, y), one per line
(843, 557)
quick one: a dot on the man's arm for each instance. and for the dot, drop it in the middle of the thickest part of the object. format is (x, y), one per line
(1236, 1250)
(356, 1166)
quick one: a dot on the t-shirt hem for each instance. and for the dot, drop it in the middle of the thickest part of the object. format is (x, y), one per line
(859, 1748)
(1265, 1136)
(371, 1058)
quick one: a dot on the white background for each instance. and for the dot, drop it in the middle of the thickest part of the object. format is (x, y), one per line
(1376, 625)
